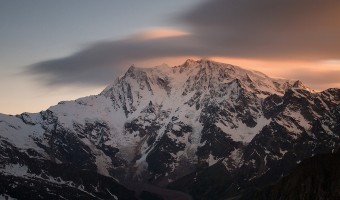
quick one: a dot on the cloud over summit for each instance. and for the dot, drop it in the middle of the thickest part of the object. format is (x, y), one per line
(262, 29)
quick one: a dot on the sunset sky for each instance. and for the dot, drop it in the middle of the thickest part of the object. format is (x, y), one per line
(61, 50)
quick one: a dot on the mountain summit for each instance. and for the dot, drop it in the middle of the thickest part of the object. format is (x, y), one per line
(165, 124)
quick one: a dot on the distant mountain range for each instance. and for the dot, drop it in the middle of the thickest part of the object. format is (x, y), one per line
(210, 129)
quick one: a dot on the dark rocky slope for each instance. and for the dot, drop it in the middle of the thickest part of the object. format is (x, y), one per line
(315, 178)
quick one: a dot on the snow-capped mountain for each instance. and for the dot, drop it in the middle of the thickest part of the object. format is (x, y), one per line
(159, 124)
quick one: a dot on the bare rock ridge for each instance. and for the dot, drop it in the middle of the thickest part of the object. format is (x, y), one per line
(167, 125)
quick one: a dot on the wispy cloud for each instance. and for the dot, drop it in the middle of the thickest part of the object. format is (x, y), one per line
(97, 63)
(262, 29)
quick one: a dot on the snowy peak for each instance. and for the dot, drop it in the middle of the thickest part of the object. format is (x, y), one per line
(201, 75)
(300, 85)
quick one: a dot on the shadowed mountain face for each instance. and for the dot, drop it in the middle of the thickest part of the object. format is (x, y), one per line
(166, 125)
(314, 178)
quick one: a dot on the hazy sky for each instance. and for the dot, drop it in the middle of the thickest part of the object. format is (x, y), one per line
(61, 50)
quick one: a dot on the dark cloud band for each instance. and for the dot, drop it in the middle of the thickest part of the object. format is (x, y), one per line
(265, 29)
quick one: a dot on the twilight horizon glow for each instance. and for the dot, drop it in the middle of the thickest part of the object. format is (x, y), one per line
(53, 51)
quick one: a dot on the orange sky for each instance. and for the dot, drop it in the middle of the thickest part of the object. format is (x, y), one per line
(30, 96)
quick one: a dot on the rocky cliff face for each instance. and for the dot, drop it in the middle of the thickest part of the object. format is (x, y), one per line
(159, 124)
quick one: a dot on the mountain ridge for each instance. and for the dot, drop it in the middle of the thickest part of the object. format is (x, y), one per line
(156, 125)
